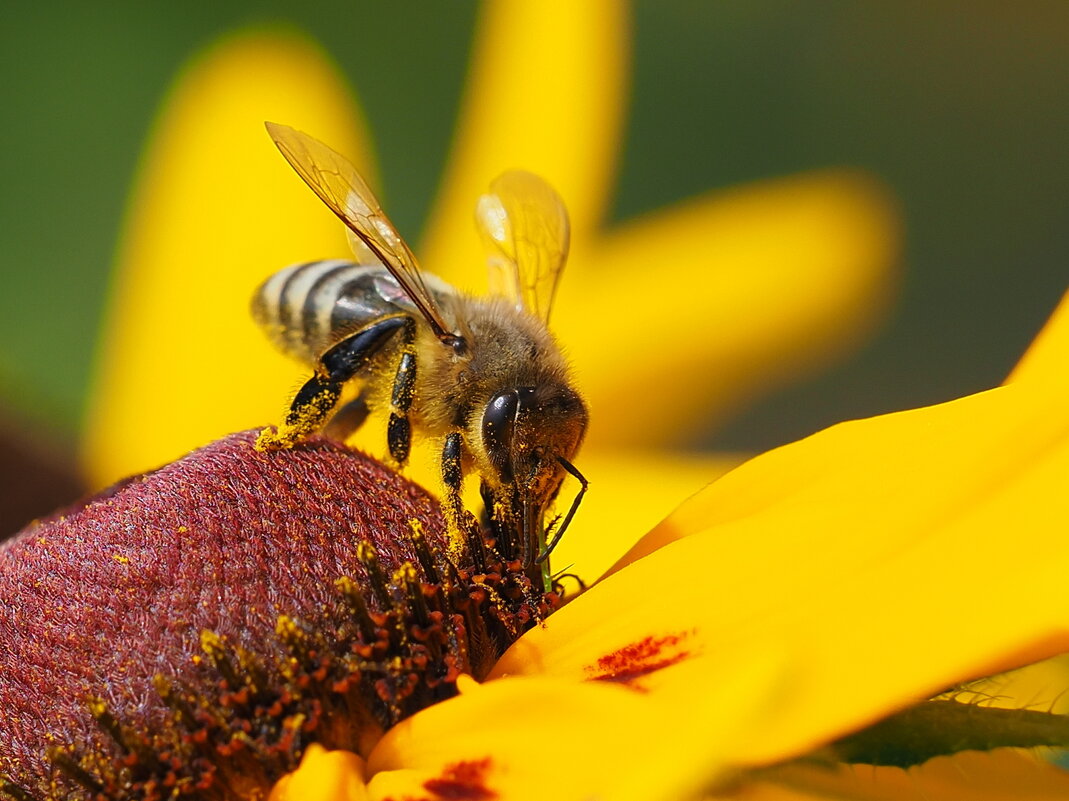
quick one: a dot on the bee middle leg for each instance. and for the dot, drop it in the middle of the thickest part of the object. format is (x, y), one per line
(399, 430)
(316, 400)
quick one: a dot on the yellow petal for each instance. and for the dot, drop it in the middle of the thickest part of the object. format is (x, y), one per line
(323, 776)
(1038, 686)
(535, 738)
(1002, 775)
(630, 492)
(681, 317)
(1045, 360)
(215, 211)
(545, 93)
(890, 558)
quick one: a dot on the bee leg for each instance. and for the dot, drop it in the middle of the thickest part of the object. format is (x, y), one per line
(398, 430)
(453, 477)
(317, 398)
(348, 419)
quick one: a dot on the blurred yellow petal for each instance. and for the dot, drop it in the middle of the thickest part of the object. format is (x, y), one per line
(545, 93)
(1002, 775)
(938, 531)
(323, 776)
(535, 738)
(1044, 363)
(215, 211)
(681, 317)
(630, 492)
(691, 312)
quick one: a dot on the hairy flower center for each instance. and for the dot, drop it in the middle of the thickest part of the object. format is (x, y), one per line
(363, 634)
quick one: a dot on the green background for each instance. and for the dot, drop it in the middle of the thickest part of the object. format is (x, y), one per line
(962, 108)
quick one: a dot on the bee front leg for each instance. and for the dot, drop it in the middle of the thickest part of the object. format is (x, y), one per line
(317, 398)
(453, 478)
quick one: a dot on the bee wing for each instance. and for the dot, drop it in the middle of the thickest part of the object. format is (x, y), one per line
(361, 252)
(339, 185)
(525, 226)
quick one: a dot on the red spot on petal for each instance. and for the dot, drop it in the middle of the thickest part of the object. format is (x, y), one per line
(632, 662)
(462, 781)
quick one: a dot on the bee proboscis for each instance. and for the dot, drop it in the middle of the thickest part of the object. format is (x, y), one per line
(481, 374)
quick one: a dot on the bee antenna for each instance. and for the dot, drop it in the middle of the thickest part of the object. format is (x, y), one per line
(571, 511)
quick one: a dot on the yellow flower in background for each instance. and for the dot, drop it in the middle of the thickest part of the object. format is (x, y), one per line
(672, 320)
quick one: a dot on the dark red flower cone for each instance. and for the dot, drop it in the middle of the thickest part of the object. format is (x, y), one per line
(97, 602)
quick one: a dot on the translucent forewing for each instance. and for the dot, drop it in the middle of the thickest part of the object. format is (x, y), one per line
(339, 185)
(525, 225)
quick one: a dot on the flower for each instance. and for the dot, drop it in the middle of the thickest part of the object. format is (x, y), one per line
(813, 590)
(812, 253)
(805, 595)
(759, 283)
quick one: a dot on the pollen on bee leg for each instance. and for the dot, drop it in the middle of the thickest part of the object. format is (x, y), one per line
(271, 438)
(463, 537)
(309, 412)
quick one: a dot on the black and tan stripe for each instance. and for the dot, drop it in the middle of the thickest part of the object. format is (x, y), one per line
(296, 305)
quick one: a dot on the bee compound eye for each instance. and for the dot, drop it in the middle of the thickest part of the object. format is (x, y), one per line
(498, 427)
(457, 343)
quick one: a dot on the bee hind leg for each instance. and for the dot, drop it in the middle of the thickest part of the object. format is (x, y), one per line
(316, 400)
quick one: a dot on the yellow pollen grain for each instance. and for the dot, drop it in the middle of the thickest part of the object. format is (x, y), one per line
(406, 574)
(455, 544)
(210, 642)
(285, 625)
(345, 584)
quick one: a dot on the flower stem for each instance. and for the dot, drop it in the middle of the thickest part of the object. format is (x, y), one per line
(942, 727)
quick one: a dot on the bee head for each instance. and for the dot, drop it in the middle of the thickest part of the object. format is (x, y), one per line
(526, 430)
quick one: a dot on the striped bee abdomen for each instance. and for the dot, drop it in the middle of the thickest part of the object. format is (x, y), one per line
(306, 307)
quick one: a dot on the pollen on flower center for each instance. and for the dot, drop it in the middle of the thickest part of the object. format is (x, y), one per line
(200, 626)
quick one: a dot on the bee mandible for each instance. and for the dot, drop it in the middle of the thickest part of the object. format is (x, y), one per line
(481, 374)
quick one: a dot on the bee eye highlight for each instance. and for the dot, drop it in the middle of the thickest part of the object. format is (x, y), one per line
(498, 425)
(457, 343)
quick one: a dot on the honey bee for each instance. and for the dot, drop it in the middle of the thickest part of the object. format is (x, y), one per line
(481, 374)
